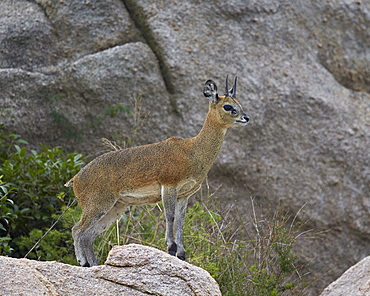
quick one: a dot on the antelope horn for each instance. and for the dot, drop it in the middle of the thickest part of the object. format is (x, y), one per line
(233, 90)
(227, 85)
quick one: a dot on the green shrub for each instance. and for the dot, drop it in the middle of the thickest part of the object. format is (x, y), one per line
(265, 264)
(32, 190)
(52, 244)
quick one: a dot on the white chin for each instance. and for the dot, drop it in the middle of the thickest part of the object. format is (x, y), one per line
(238, 122)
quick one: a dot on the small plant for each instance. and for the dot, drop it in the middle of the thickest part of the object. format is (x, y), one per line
(138, 119)
(74, 132)
(67, 129)
(263, 265)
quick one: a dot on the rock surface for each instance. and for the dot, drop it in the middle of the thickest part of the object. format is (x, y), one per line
(129, 270)
(354, 282)
(303, 70)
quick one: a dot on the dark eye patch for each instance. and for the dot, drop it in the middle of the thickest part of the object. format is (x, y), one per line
(228, 108)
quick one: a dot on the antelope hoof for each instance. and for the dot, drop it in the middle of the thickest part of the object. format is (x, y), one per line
(172, 249)
(82, 264)
(181, 257)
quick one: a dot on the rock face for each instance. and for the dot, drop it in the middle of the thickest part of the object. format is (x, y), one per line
(129, 270)
(354, 282)
(303, 69)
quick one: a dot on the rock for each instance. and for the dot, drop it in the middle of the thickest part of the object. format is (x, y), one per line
(129, 270)
(52, 32)
(72, 101)
(354, 282)
(303, 69)
(28, 42)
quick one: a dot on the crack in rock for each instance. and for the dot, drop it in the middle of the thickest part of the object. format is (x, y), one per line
(142, 24)
(134, 287)
(44, 280)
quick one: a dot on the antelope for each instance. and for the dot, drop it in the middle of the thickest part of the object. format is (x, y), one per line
(169, 171)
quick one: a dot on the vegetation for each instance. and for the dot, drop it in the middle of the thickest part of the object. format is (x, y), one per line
(74, 132)
(33, 199)
(32, 196)
(263, 265)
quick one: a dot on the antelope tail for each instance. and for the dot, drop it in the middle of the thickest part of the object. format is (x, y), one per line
(69, 183)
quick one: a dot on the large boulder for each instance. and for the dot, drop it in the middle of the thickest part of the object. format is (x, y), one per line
(129, 270)
(303, 69)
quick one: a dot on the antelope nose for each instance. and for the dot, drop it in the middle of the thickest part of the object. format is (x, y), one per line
(246, 117)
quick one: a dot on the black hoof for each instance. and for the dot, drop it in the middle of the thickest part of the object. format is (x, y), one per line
(181, 258)
(172, 249)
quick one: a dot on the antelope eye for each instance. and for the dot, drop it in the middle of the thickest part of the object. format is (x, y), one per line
(228, 108)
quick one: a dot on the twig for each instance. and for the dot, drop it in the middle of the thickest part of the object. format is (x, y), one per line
(214, 221)
(258, 235)
(51, 227)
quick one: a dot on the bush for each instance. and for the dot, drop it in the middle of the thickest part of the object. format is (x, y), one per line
(52, 244)
(32, 190)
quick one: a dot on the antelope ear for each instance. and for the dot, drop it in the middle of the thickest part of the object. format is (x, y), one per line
(210, 91)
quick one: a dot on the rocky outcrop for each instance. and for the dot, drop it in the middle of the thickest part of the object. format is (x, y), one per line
(354, 282)
(303, 70)
(129, 270)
